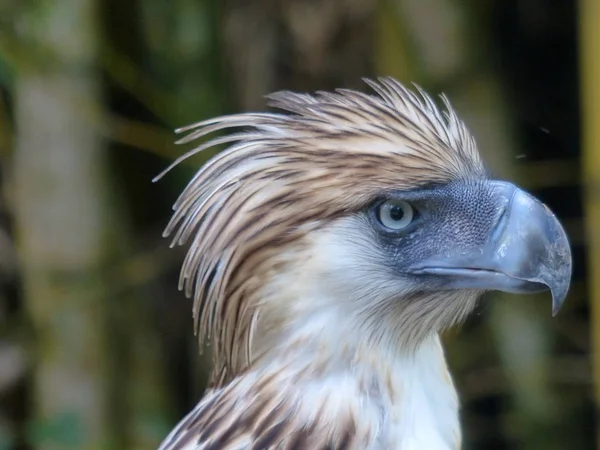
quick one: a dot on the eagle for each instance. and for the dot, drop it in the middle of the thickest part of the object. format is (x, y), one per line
(329, 246)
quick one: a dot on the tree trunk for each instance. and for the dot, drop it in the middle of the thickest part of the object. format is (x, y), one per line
(63, 217)
(590, 98)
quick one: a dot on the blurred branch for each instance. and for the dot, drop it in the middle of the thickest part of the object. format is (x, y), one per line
(128, 75)
(28, 54)
(143, 136)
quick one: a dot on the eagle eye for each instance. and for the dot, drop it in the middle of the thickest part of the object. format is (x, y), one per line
(395, 215)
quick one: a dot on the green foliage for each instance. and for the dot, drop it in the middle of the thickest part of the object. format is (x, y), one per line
(7, 438)
(64, 430)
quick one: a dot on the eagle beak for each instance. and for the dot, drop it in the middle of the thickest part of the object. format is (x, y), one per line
(527, 252)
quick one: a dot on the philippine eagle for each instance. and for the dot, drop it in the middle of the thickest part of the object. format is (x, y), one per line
(329, 245)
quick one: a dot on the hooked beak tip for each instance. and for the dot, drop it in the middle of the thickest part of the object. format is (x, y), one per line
(559, 295)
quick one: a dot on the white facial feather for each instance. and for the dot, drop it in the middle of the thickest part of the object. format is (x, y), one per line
(340, 275)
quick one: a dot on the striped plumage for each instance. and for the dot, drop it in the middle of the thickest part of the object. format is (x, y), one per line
(323, 321)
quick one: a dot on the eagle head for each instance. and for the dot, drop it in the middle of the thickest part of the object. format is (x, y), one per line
(352, 220)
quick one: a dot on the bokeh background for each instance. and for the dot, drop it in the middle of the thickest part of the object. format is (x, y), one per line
(96, 343)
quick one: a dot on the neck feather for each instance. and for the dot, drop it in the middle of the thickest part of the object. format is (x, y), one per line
(411, 388)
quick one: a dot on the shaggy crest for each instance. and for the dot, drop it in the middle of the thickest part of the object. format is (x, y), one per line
(284, 175)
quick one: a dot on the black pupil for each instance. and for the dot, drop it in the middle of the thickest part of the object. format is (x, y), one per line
(396, 212)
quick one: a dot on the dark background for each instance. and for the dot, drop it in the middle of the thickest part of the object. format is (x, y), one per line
(96, 343)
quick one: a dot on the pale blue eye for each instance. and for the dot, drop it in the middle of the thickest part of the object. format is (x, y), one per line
(395, 214)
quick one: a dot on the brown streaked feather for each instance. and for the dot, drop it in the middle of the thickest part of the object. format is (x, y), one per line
(331, 154)
(261, 416)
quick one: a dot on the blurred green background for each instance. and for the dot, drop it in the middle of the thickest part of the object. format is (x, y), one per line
(96, 343)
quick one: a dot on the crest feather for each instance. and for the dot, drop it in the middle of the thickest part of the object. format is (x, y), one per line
(284, 175)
